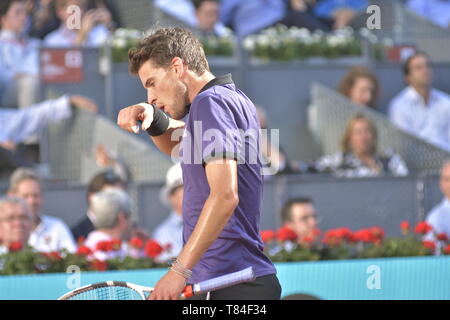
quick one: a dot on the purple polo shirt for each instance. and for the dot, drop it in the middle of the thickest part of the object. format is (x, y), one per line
(222, 109)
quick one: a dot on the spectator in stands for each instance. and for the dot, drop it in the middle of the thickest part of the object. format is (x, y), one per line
(112, 9)
(42, 18)
(300, 13)
(17, 125)
(111, 215)
(93, 30)
(420, 109)
(360, 85)
(439, 216)
(359, 156)
(107, 160)
(207, 18)
(19, 66)
(100, 182)
(15, 223)
(250, 16)
(299, 215)
(47, 233)
(437, 11)
(200, 15)
(170, 232)
(339, 13)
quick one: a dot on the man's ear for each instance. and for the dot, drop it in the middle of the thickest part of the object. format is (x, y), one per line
(178, 66)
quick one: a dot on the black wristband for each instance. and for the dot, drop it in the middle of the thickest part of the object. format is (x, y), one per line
(159, 124)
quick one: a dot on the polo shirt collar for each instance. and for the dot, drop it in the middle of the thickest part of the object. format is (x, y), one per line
(219, 81)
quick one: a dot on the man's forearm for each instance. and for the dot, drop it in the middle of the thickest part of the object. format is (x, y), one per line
(169, 139)
(216, 213)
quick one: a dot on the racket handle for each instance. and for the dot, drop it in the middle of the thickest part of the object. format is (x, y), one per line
(188, 292)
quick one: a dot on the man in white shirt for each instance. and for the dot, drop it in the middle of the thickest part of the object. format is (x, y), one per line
(19, 63)
(111, 215)
(420, 109)
(48, 233)
(170, 231)
(17, 125)
(439, 216)
(92, 32)
(15, 224)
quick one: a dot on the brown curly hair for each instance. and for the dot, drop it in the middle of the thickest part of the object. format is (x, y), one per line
(349, 80)
(163, 45)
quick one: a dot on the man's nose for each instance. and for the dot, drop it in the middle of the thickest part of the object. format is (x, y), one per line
(151, 99)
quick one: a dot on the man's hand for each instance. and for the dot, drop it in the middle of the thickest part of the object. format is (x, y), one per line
(342, 18)
(169, 287)
(83, 103)
(128, 118)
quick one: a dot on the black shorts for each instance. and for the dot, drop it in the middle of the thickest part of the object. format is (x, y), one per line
(263, 288)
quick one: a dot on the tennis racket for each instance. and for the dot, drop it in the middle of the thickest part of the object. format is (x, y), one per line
(120, 290)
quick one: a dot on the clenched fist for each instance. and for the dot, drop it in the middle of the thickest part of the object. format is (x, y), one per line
(128, 117)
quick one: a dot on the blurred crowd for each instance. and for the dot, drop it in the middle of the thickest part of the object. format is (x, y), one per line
(419, 109)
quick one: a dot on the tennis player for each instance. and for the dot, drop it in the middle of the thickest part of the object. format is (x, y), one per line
(223, 186)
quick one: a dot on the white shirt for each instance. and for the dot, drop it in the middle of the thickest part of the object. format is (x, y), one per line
(18, 124)
(439, 217)
(52, 234)
(97, 236)
(431, 122)
(64, 37)
(17, 55)
(170, 231)
(3, 249)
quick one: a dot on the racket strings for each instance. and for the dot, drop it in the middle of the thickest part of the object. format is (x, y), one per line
(108, 293)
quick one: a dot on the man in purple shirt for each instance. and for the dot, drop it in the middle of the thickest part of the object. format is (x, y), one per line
(219, 153)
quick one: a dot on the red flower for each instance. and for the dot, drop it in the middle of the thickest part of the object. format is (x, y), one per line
(136, 243)
(442, 237)
(308, 239)
(99, 265)
(84, 251)
(423, 228)
(105, 246)
(344, 233)
(447, 249)
(55, 255)
(377, 233)
(116, 244)
(286, 234)
(404, 226)
(152, 249)
(15, 246)
(332, 237)
(268, 235)
(429, 244)
(364, 235)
